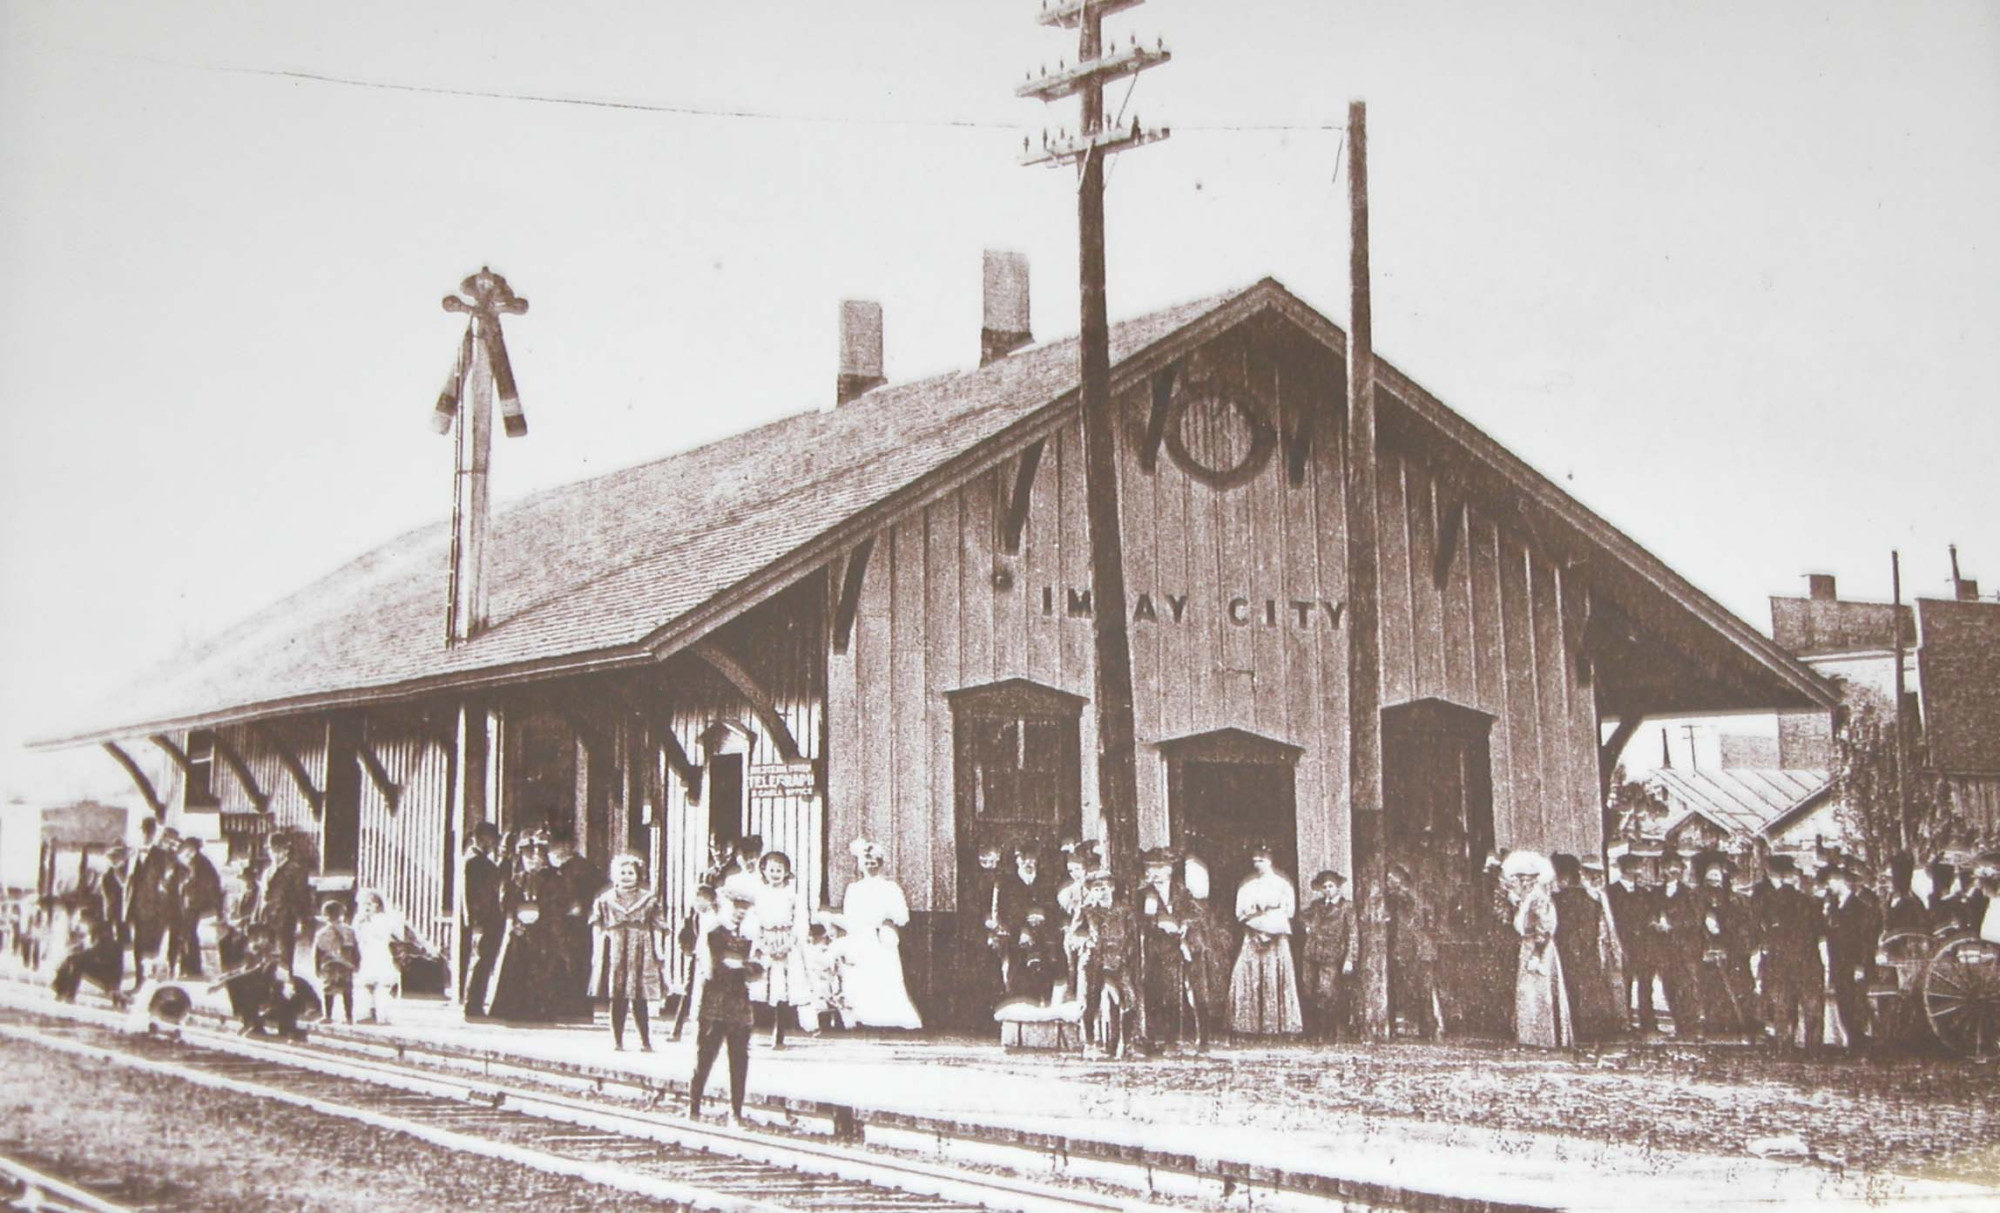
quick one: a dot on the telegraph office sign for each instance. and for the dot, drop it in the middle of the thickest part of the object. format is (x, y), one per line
(781, 780)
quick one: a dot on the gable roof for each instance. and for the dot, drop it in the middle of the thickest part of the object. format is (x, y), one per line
(1741, 801)
(625, 568)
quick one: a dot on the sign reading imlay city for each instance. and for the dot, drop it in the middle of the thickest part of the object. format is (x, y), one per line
(1241, 610)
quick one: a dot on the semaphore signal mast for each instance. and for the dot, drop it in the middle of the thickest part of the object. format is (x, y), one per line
(1096, 141)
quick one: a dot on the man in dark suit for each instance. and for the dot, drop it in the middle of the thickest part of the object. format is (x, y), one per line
(1033, 923)
(1853, 932)
(151, 900)
(1904, 910)
(200, 898)
(582, 881)
(482, 921)
(1677, 942)
(1791, 925)
(1634, 909)
(285, 896)
(1942, 903)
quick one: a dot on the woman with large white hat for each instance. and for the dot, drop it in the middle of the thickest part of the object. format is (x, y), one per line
(873, 912)
(1541, 1009)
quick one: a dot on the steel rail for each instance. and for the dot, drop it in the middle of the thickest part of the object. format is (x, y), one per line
(480, 1099)
(70, 1196)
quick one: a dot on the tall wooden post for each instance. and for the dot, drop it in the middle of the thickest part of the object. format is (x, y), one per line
(470, 507)
(1117, 773)
(468, 809)
(1364, 648)
(1117, 764)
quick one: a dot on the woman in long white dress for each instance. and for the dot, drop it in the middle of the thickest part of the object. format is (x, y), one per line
(778, 943)
(873, 912)
(1541, 1007)
(1264, 988)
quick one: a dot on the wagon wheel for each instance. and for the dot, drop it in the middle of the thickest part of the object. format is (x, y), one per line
(1962, 997)
(1896, 992)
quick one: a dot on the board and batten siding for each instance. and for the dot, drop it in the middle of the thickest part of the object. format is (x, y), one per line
(403, 851)
(402, 848)
(782, 645)
(1222, 572)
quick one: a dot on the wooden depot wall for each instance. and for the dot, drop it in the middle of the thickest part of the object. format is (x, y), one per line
(1236, 595)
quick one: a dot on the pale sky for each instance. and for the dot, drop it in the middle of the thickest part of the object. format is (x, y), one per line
(1726, 271)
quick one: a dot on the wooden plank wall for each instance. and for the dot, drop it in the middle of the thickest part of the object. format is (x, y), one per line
(402, 848)
(782, 643)
(290, 809)
(943, 608)
(402, 851)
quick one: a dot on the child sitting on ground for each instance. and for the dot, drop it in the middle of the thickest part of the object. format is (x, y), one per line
(336, 954)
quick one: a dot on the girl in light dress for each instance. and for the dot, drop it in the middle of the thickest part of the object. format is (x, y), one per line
(873, 911)
(629, 931)
(778, 936)
(1264, 988)
(381, 929)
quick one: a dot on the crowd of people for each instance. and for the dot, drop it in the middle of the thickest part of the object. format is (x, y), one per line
(1544, 951)
(160, 910)
(1785, 954)
(1541, 950)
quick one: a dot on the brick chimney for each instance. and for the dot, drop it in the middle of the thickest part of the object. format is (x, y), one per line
(860, 349)
(1003, 325)
(1819, 587)
(1968, 589)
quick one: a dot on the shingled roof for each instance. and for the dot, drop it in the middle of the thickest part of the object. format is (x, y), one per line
(599, 567)
(627, 567)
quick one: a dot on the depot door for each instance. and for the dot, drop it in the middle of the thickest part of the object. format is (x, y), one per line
(1437, 788)
(1227, 792)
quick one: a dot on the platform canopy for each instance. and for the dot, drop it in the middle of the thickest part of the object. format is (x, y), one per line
(627, 568)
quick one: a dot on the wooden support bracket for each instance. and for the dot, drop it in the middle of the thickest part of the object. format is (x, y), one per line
(289, 759)
(849, 602)
(364, 750)
(1607, 754)
(139, 779)
(172, 749)
(645, 703)
(244, 776)
(1156, 420)
(776, 730)
(1016, 519)
(1451, 528)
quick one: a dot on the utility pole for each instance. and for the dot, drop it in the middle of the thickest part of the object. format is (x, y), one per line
(1095, 142)
(1903, 829)
(1368, 836)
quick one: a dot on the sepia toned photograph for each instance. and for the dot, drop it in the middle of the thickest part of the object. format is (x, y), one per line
(1048, 606)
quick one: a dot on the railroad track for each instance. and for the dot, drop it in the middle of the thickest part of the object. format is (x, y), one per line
(656, 1155)
(33, 1184)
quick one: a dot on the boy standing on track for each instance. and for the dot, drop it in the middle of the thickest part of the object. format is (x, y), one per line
(726, 971)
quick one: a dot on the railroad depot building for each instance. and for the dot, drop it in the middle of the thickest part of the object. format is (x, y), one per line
(874, 620)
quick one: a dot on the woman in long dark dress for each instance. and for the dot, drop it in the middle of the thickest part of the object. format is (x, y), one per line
(533, 901)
